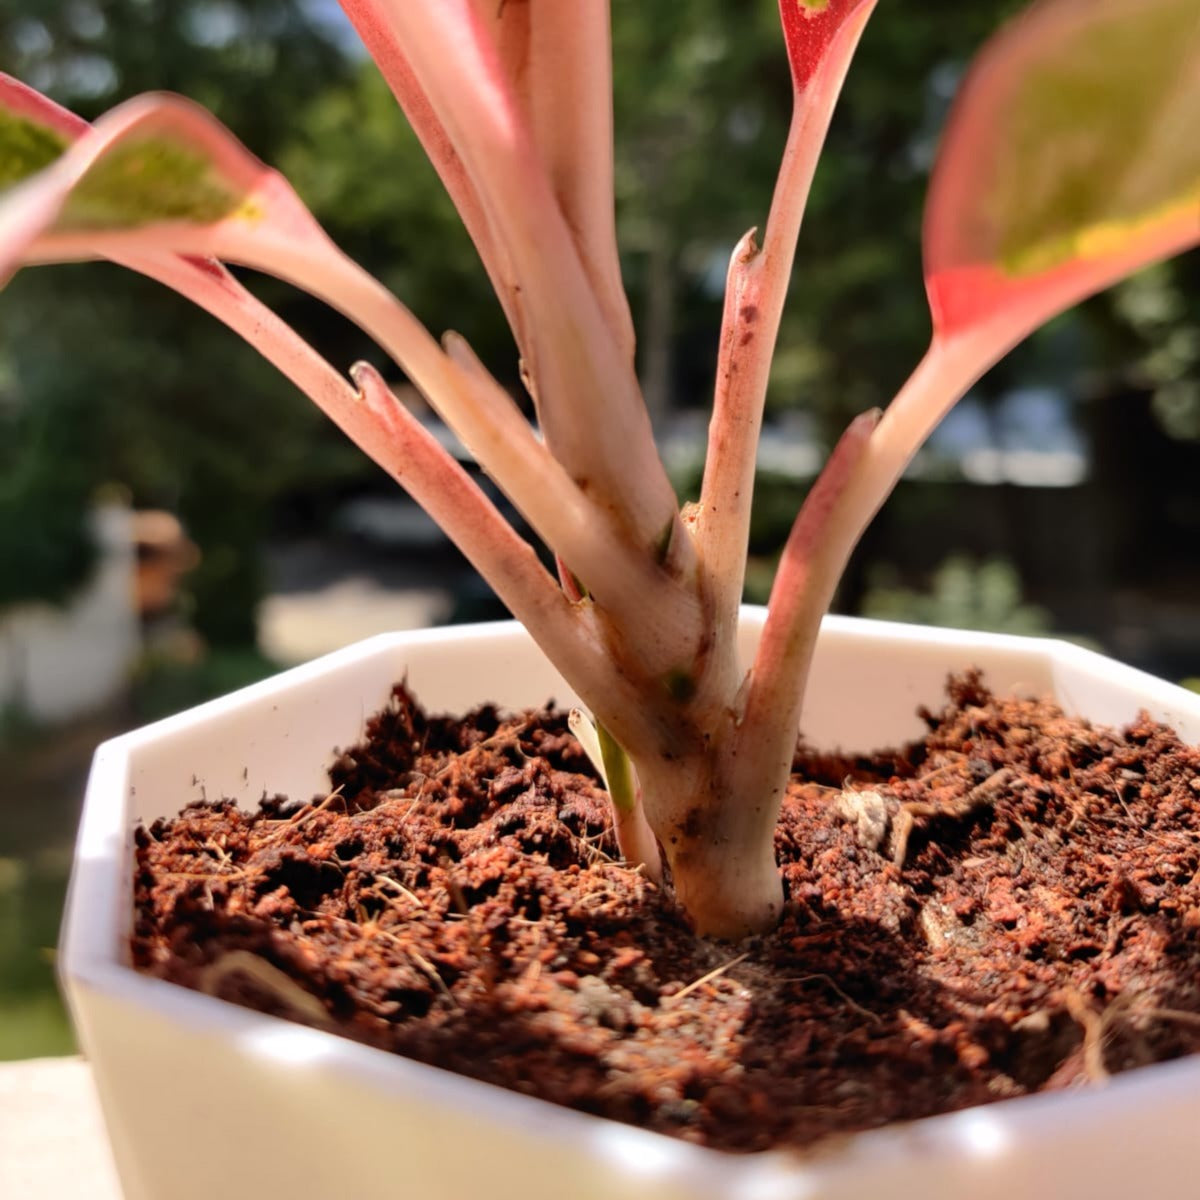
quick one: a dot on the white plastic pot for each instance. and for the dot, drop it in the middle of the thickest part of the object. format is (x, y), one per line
(208, 1100)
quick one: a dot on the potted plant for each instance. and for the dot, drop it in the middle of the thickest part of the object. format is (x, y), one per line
(1032, 207)
(203, 1095)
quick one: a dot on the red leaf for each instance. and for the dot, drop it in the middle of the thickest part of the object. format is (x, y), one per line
(1070, 160)
(810, 28)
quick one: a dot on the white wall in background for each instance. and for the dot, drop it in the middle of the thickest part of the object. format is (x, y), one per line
(59, 662)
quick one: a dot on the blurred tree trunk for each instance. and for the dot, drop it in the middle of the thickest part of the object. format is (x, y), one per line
(658, 328)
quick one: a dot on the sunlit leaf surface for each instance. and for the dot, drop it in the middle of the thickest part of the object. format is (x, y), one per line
(1072, 157)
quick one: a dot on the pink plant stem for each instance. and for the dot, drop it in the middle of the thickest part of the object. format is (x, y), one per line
(860, 475)
(379, 425)
(570, 52)
(727, 490)
(549, 51)
(209, 286)
(385, 48)
(755, 294)
(565, 631)
(659, 615)
(588, 400)
(403, 448)
(804, 586)
(415, 459)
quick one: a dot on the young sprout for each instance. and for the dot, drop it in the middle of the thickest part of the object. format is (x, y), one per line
(634, 836)
(1070, 160)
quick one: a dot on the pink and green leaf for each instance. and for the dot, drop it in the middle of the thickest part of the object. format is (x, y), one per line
(155, 172)
(159, 185)
(34, 132)
(29, 119)
(1071, 159)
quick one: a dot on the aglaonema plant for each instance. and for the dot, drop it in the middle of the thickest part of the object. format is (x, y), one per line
(1071, 159)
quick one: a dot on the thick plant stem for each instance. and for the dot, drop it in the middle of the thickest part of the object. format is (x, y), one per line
(588, 401)
(729, 895)
(570, 52)
(720, 845)
(657, 612)
(718, 840)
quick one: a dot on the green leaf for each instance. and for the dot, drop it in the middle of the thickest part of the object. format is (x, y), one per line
(145, 181)
(1071, 160)
(26, 147)
(1100, 138)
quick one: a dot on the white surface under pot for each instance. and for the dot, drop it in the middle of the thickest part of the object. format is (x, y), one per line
(205, 1099)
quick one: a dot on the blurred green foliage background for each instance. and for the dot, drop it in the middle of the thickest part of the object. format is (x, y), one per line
(108, 382)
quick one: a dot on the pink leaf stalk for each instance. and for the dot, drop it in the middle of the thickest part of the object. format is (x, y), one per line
(821, 42)
(369, 19)
(402, 447)
(557, 61)
(583, 379)
(1028, 213)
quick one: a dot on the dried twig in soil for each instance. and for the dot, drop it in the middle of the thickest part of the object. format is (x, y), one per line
(715, 973)
(837, 991)
(1094, 1026)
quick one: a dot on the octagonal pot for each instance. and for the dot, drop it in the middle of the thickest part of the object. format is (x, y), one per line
(205, 1099)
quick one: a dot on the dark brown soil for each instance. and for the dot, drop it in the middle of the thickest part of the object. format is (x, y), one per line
(1030, 920)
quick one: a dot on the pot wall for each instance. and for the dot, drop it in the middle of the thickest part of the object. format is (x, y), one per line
(206, 1099)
